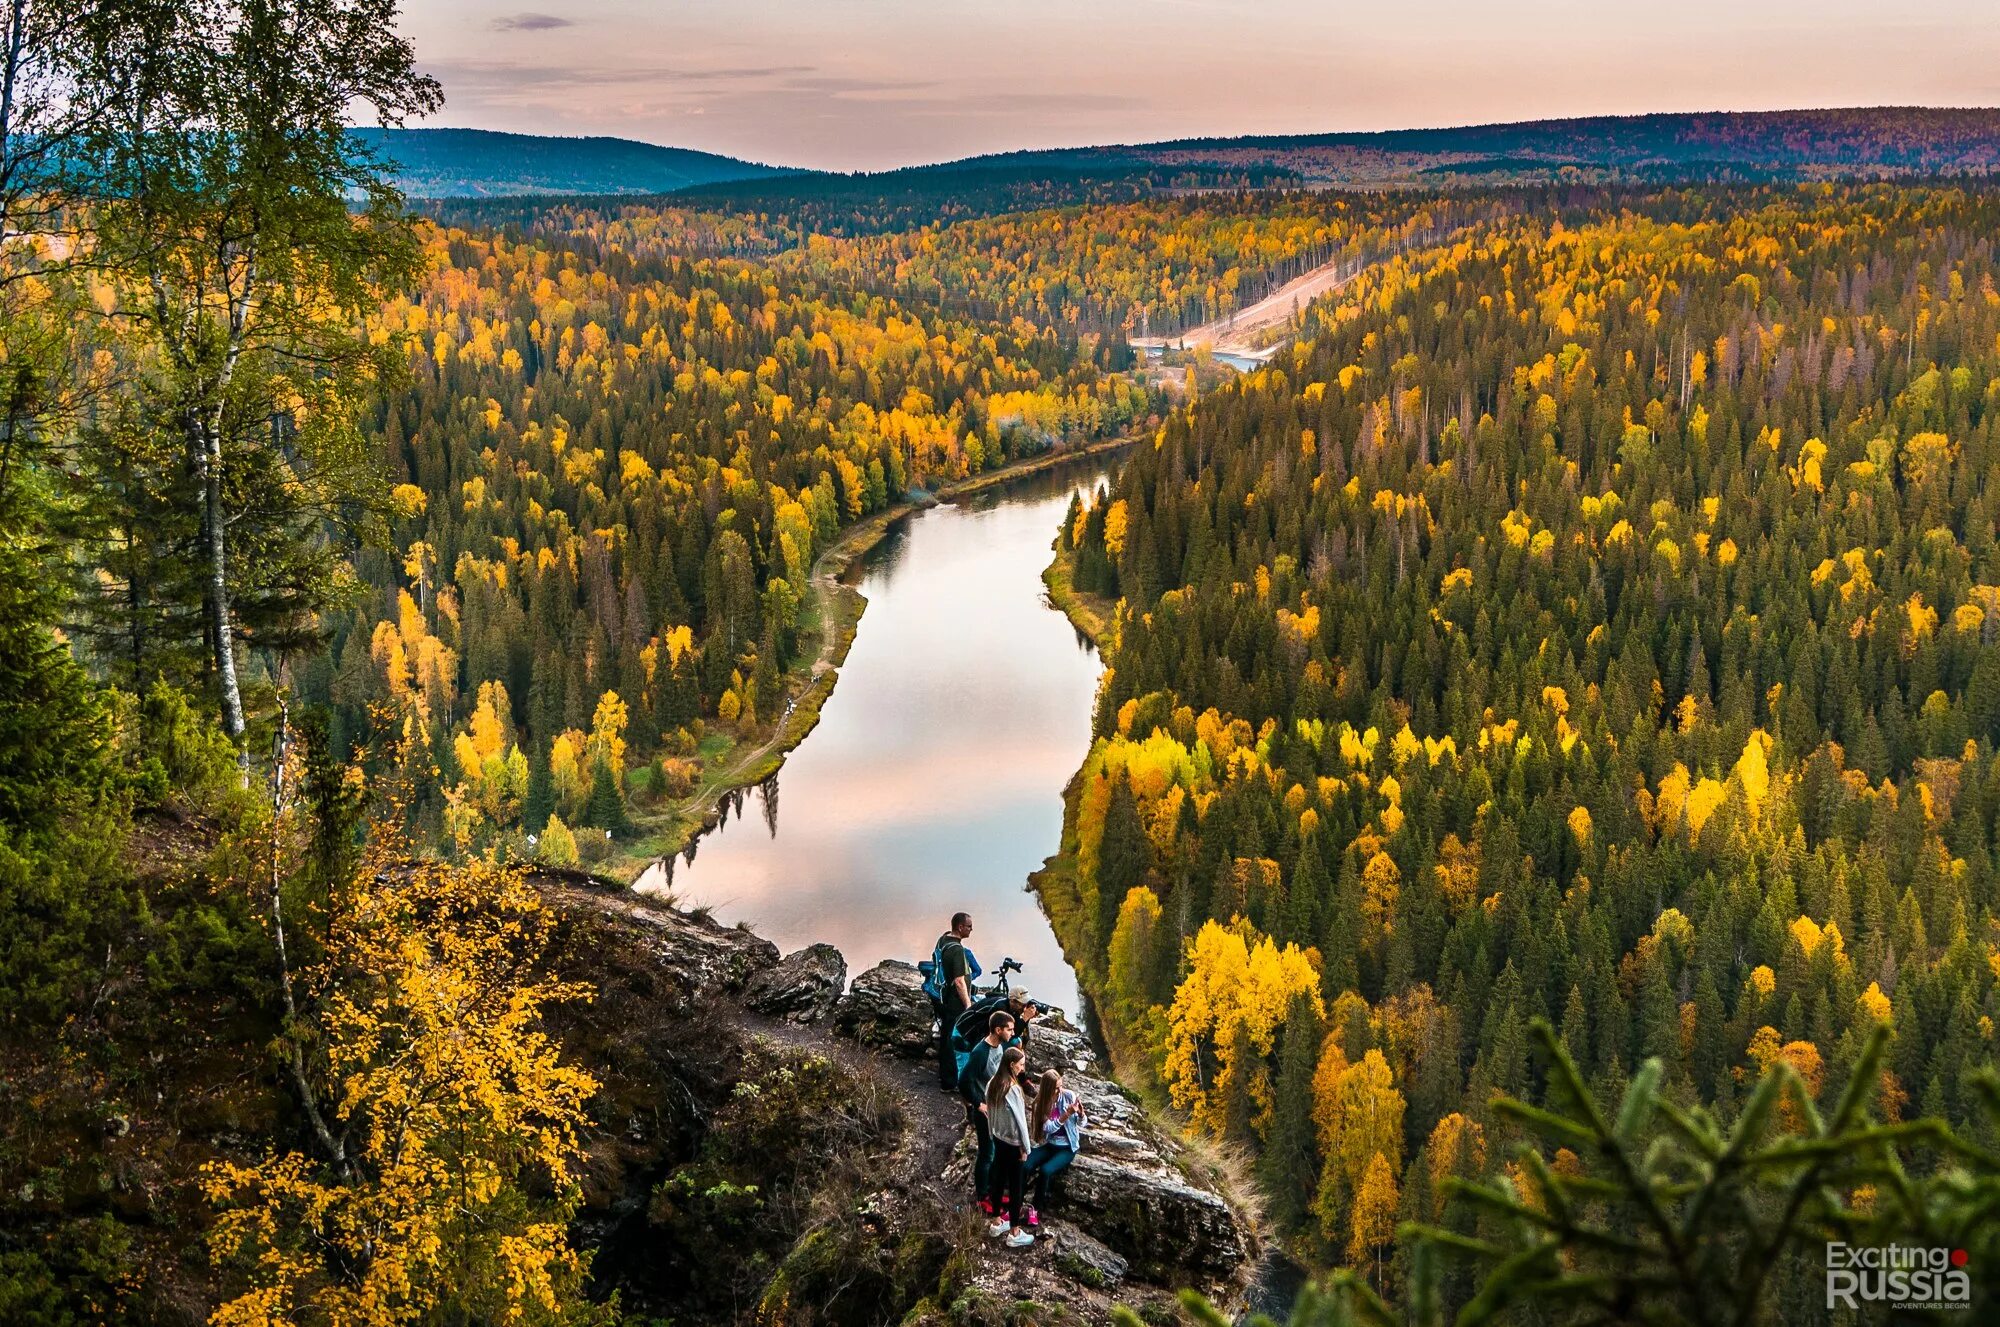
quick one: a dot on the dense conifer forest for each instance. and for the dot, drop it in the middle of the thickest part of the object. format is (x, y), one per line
(1590, 621)
(614, 473)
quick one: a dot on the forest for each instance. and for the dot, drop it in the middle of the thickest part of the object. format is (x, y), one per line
(1588, 622)
(1540, 816)
(1876, 142)
(479, 163)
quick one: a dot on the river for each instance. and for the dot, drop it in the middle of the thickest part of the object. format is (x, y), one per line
(933, 782)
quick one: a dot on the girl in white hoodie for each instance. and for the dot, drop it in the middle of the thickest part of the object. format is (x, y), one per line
(1007, 1117)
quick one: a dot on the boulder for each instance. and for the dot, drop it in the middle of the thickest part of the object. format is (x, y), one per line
(1169, 1229)
(1084, 1259)
(886, 1008)
(1058, 1045)
(692, 949)
(801, 987)
(1128, 1189)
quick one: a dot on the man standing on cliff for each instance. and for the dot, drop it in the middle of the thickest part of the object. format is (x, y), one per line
(955, 977)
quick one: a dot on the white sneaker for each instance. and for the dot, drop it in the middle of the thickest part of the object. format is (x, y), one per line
(995, 1229)
(1020, 1239)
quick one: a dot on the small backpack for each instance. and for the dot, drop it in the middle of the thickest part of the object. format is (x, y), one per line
(933, 970)
(968, 1033)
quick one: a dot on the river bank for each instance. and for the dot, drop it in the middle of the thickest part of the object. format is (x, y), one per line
(1092, 614)
(1130, 1052)
(831, 616)
(1056, 883)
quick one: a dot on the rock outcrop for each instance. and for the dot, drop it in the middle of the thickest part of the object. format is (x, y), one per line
(694, 951)
(886, 1008)
(801, 987)
(1135, 1217)
(1132, 1189)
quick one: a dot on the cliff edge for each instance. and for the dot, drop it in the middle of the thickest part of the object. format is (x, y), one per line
(772, 1146)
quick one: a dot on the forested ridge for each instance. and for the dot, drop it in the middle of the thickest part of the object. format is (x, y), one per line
(1116, 267)
(1150, 268)
(455, 163)
(1870, 142)
(1590, 621)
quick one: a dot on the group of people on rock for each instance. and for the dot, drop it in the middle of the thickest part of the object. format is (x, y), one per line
(1028, 1128)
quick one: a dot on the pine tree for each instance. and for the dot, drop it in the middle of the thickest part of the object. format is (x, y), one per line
(54, 732)
(541, 800)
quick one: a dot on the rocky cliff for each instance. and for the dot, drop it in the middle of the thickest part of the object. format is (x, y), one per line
(773, 1146)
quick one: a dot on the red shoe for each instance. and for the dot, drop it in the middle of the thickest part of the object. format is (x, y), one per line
(1032, 1219)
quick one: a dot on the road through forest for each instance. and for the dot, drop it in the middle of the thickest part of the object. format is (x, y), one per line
(1237, 333)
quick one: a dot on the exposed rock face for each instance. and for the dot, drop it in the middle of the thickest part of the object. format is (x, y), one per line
(693, 949)
(801, 987)
(1055, 1043)
(1133, 1217)
(1128, 1190)
(1084, 1258)
(1170, 1229)
(887, 1008)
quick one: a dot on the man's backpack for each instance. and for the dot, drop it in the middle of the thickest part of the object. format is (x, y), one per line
(933, 970)
(968, 1031)
(933, 974)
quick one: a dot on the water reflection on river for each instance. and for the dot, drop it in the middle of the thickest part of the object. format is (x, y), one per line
(934, 779)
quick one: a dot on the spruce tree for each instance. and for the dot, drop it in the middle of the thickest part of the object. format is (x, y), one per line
(1289, 1163)
(606, 807)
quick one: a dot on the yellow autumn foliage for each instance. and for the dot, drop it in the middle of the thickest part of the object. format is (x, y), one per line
(1236, 978)
(461, 1118)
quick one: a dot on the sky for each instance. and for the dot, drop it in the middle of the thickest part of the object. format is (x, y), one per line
(875, 84)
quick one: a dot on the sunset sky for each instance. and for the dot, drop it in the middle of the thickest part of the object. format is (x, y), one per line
(868, 84)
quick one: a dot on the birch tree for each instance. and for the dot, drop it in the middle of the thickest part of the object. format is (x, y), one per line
(252, 237)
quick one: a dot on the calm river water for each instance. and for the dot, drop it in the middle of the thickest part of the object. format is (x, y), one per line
(934, 780)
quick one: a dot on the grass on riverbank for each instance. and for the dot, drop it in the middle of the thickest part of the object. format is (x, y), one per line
(1093, 614)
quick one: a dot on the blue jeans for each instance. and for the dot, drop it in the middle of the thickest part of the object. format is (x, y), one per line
(1044, 1164)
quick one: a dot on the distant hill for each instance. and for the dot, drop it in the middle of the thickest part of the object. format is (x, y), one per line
(1874, 142)
(481, 163)
(1868, 141)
